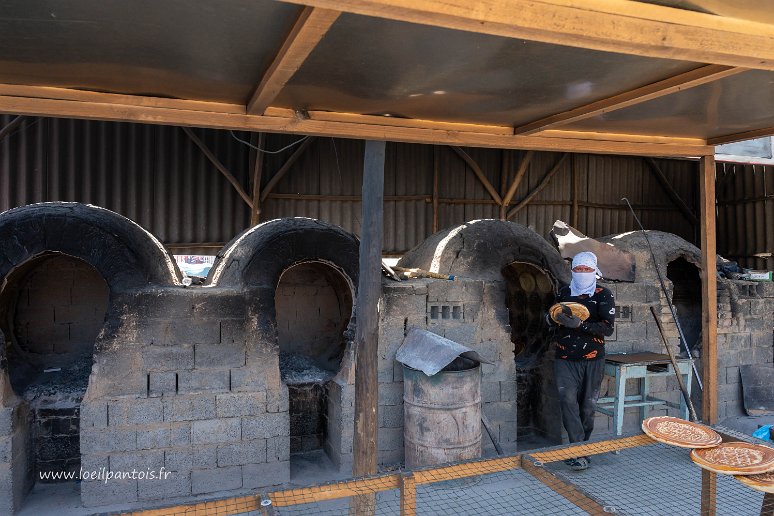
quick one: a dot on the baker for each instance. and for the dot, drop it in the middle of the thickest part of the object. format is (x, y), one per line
(579, 363)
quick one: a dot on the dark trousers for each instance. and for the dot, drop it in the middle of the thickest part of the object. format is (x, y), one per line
(578, 383)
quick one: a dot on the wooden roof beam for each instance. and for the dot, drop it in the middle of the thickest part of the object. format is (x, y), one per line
(680, 82)
(738, 137)
(109, 109)
(309, 29)
(619, 26)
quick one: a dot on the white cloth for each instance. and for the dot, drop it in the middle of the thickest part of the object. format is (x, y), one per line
(584, 282)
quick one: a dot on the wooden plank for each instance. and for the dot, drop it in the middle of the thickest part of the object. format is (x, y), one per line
(543, 183)
(738, 137)
(583, 450)
(220, 166)
(181, 117)
(276, 178)
(709, 302)
(608, 25)
(310, 27)
(670, 191)
(334, 491)
(364, 449)
(355, 118)
(348, 198)
(618, 137)
(571, 493)
(255, 214)
(522, 170)
(222, 507)
(680, 82)
(48, 92)
(10, 126)
(468, 469)
(408, 495)
(479, 174)
(575, 186)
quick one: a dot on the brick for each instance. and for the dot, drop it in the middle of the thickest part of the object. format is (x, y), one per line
(113, 440)
(219, 355)
(162, 383)
(211, 431)
(240, 404)
(278, 449)
(167, 358)
(203, 380)
(215, 480)
(246, 452)
(255, 476)
(189, 408)
(265, 426)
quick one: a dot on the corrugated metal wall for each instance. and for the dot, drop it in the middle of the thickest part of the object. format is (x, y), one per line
(745, 195)
(157, 177)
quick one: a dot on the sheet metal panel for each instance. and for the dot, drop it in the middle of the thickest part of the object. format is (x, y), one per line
(728, 106)
(205, 51)
(424, 72)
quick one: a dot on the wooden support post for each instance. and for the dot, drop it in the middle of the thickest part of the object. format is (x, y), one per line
(709, 355)
(255, 215)
(574, 183)
(286, 167)
(367, 330)
(10, 126)
(220, 166)
(670, 191)
(436, 185)
(543, 183)
(504, 169)
(523, 166)
(479, 173)
(408, 495)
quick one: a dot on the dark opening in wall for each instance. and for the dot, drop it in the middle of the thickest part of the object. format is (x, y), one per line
(54, 307)
(530, 292)
(686, 298)
(313, 306)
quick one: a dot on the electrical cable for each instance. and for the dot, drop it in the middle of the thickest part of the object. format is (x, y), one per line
(264, 150)
(666, 295)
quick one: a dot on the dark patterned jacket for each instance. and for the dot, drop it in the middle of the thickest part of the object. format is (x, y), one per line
(587, 342)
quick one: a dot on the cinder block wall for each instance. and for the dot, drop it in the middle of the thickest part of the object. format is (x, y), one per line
(189, 383)
(482, 324)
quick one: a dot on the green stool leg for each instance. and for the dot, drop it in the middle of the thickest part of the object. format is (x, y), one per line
(620, 398)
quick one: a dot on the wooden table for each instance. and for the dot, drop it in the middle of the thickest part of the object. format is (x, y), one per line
(644, 367)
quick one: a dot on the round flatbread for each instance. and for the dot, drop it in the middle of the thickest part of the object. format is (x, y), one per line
(578, 310)
(735, 458)
(527, 281)
(763, 482)
(679, 432)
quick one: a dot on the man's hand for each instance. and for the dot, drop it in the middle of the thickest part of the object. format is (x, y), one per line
(570, 321)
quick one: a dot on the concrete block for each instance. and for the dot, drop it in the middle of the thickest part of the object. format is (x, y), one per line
(240, 404)
(167, 358)
(214, 480)
(162, 383)
(277, 401)
(464, 334)
(246, 452)
(205, 457)
(6, 420)
(390, 457)
(266, 425)
(211, 431)
(390, 439)
(397, 372)
(219, 355)
(738, 340)
(762, 340)
(763, 355)
(390, 394)
(732, 375)
(730, 392)
(255, 476)
(232, 331)
(94, 414)
(391, 416)
(144, 411)
(500, 411)
(176, 485)
(451, 291)
(189, 408)
(114, 440)
(97, 492)
(154, 437)
(139, 461)
(204, 380)
(508, 391)
(181, 460)
(490, 391)
(278, 449)
(631, 331)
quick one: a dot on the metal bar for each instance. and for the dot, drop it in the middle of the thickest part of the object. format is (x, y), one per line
(220, 166)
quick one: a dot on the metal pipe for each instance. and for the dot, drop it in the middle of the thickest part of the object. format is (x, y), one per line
(666, 295)
(680, 381)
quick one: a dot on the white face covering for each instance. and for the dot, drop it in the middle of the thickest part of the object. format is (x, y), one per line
(584, 282)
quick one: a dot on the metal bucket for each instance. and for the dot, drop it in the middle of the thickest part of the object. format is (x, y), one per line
(442, 416)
